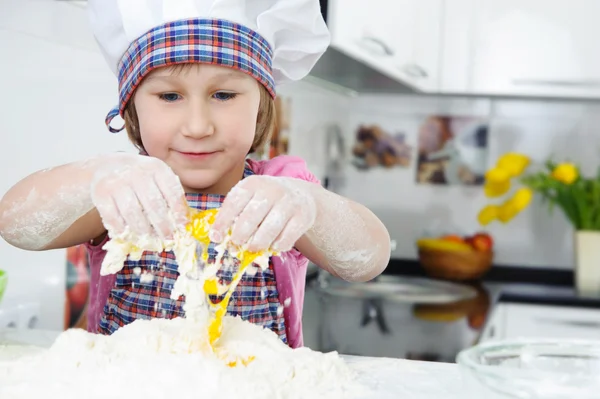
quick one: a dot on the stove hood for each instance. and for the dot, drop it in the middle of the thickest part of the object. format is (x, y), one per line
(360, 59)
(344, 73)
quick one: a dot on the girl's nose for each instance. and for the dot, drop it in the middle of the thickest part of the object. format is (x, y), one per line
(198, 122)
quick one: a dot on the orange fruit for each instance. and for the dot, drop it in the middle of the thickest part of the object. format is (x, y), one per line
(453, 237)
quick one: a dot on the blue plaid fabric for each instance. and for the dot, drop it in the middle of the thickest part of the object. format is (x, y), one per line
(210, 41)
(255, 299)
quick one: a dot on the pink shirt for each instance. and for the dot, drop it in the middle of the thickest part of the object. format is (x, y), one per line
(290, 268)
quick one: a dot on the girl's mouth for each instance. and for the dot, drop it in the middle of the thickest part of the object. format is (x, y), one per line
(197, 155)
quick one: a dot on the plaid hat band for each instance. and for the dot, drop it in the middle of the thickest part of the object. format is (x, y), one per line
(208, 41)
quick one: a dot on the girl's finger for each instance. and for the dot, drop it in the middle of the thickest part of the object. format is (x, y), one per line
(111, 218)
(155, 208)
(174, 196)
(271, 227)
(131, 211)
(249, 219)
(233, 205)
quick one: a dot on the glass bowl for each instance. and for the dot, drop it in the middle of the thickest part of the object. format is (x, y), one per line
(533, 369)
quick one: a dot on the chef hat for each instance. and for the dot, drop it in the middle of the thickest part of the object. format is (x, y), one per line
(271, 40)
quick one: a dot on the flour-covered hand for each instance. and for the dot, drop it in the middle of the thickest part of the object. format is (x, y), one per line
(266, 212)
(139, 193)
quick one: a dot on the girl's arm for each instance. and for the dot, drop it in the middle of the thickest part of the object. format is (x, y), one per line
(79, 202)
(347, 239)
(51, 209)
(339, 235)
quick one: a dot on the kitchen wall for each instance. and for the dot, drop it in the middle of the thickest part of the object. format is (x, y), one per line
(315, 108)
(539, 128)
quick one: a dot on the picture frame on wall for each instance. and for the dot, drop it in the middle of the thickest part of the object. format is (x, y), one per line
(376, 148)
(453, 150)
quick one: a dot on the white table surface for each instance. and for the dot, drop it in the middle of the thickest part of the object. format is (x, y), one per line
(389, 378)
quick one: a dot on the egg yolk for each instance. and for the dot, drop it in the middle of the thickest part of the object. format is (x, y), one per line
(199, 227)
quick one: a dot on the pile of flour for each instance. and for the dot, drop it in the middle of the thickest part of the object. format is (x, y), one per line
(171, 358)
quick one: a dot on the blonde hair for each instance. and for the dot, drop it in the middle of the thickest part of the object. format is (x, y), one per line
(265, 121)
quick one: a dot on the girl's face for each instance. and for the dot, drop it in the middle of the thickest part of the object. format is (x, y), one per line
(201, 121)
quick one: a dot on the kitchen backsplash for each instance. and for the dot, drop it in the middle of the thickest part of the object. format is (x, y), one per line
(539, 128)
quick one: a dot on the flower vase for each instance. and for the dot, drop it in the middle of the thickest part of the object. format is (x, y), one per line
(587, 262)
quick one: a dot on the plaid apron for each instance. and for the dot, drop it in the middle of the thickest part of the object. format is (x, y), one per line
(255, 299)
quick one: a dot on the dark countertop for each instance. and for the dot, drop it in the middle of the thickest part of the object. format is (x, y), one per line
(497, 274)
(542, 286)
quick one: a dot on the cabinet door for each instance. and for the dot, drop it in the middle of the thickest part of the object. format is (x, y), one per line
(399, 38)
(421, 67)
(536, 47)
(456, 46)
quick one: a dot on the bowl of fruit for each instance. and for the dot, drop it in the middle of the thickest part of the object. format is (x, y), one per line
(456, 257)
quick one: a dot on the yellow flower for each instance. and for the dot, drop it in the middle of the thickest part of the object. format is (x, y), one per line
(565, 172)
(507, 211)
(517, 203)
(493, 190)
(496, 176)
(497, 182)
(488, 214)
(522, 198)
(513, 163)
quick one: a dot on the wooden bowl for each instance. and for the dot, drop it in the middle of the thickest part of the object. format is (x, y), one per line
(455, 265)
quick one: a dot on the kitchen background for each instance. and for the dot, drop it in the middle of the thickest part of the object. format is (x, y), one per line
(527, 71)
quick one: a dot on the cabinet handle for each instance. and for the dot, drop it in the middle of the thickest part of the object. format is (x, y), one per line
(415, 71)
(387, 50)
(562, 83)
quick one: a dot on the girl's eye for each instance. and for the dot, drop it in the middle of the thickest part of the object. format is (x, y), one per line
(169, 97)
(224, 96)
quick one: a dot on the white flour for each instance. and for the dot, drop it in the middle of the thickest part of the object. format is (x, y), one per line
(171, 358)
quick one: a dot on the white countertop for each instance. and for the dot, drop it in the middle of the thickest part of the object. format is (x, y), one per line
(389, 378)
(408, 379)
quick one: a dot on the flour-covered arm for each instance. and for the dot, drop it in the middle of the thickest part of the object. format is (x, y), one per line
(338, 235)
(77, 202)
(50, 209)
(346, 239)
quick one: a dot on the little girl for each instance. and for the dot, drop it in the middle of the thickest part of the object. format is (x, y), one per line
(196, 86)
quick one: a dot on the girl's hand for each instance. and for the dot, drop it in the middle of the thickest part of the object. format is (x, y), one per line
(138, 192)
(266, 212)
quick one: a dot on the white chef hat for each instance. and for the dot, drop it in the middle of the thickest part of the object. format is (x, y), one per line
(271, 40)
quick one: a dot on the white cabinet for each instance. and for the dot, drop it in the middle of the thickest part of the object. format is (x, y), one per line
(522, 47)
(512, 320)
(400, 39)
